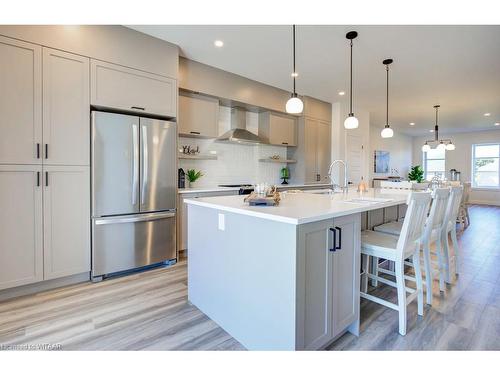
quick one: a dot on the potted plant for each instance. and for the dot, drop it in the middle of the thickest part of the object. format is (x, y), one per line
(193, 176)
(416, 174)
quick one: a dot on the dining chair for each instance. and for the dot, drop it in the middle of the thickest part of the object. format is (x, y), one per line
(397, 249)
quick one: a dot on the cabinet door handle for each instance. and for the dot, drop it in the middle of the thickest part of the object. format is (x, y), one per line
(38, 150)
(340, 238)
(195, 133)
(46, 178)
(37, 178)
(46, 150)
(334, 248)
(284, 143)
(139, 108)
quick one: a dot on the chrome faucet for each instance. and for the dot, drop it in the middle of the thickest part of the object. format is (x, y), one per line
(345, 188)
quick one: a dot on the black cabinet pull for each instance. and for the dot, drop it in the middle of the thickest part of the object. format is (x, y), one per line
(37, 178)
(46, 150)
(139, 108)
(340, 238)
(334, 248)
(284, 143)
(195, 133)
(46, 178)
(38, 150)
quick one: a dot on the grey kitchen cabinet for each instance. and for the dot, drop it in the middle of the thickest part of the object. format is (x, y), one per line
(278, 129)
(20, 102)
(198, 116)
(328, 280)
(182, 214)
(323, 150)
(313, 152)
(66, 108)
(317, 150)
(118, 87)
(44, 223)
(21, 250)
(66, 220)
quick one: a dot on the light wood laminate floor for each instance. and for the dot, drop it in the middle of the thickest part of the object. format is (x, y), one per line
(149, 311)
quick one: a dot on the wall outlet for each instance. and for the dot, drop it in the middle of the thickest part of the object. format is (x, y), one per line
(222, 223)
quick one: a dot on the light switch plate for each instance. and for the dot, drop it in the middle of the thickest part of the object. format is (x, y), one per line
(222, 224)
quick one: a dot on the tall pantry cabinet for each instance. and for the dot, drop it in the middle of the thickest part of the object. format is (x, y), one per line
(44, 164)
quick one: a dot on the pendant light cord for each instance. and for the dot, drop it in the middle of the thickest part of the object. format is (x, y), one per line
(387, 98)
(436, 128)
(350, 100)
(294, 72)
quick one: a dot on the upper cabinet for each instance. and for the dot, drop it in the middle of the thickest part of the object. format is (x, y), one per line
(20, 102)
(118, 87)
(66, 108)
(198, 116)
(277, 129)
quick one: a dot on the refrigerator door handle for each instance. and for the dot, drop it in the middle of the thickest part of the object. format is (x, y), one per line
(134, 219)
(135, 167)
(145, 161)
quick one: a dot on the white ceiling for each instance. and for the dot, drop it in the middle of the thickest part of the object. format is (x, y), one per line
(455, 66)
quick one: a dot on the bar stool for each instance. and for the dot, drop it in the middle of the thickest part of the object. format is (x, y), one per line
(397, 249)
(432, 233)
(450, 230)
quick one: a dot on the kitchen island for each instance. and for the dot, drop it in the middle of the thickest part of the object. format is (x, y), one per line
(283, 277)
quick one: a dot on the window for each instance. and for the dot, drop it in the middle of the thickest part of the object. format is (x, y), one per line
(434, 164)
(485, 166)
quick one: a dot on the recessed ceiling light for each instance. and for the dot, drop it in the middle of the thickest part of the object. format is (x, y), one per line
(487, 114)
(497, 123)
(341, 93)
(218, 43)
(432, 130)
(295, 74)
(412, 123)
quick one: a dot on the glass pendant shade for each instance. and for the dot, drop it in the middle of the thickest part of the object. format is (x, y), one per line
(351, 122)
(294, 105)
(426, 148)
(387, 132)
(441, 147)
(450, 147)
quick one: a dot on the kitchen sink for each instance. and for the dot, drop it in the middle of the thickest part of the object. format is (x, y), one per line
(368, 200)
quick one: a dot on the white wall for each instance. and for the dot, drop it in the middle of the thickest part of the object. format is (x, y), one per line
(400, 147)
(461, 160)
(236, 163)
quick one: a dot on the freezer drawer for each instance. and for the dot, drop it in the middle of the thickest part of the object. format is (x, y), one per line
(125, 242)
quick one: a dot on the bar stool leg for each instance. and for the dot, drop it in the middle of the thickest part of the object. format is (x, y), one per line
(400, 282)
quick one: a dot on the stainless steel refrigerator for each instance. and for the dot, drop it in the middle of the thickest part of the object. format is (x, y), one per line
(134, 192)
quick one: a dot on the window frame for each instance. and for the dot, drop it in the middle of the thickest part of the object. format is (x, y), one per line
(424, 162)
(473, 166)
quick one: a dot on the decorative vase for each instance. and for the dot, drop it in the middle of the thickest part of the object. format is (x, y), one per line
(193, 184)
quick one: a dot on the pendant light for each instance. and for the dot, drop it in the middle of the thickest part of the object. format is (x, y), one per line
(442, 144)
(351, 122)
(387, 132)
(294, 105)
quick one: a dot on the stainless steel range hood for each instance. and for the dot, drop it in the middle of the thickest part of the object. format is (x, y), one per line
(238, 132)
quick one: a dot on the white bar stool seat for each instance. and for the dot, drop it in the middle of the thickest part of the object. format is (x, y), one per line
(397, 249)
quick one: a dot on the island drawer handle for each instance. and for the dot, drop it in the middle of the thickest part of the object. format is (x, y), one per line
(334, 248)
(340, 239)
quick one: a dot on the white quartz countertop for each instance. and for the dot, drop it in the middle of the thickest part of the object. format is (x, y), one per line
(301, 208)
(219, 188)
